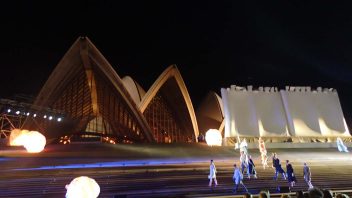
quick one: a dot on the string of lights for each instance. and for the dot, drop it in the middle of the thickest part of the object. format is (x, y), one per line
(12, 107)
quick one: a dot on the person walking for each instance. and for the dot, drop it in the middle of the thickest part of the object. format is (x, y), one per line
(212, 174)
(237, 178)
(291, 178)
(251, 168)
(307, 175)
(244, 163)
(278, 168)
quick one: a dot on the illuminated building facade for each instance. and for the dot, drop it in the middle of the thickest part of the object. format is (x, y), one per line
(96, 101)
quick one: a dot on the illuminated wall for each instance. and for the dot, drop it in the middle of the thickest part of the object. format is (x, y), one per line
(315, 113)
(296, 111)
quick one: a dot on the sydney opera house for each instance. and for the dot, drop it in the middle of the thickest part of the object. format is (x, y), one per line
(97, 102)
(85, 102)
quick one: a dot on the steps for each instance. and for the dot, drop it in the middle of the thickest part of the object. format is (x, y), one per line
(184, 174)
(165, 181)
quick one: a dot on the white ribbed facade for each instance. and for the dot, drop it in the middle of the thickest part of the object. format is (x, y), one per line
(295, 112)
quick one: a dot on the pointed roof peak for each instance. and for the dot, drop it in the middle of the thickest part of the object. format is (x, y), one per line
(83, 38)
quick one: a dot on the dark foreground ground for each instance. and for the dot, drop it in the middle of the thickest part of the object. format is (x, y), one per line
(169, 170)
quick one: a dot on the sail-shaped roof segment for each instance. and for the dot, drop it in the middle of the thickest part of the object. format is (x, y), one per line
(210, 113)
(134, 89)
(85, 86)
(168, 108)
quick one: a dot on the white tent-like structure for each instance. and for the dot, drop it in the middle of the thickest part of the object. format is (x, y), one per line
(297, 112)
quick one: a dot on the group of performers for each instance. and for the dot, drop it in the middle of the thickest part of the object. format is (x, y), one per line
(289, 175)
(246, 161)
(247, 165)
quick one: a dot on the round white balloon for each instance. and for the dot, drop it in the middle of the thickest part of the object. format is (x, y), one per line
(82, 187)
(213, 137)
(34, 142)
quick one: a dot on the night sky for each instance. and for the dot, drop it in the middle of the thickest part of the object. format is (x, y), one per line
(214, 44)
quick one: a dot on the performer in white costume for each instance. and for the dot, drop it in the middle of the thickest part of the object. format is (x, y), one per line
(244, 156)
(307, 175)
(244, 163)
(244, 146)
(212, 174)
(237, 178)
(340, 145)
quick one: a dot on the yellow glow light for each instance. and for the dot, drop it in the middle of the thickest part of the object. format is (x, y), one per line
(213, 137)
(34, 142)
(82, 187)
(17, 137)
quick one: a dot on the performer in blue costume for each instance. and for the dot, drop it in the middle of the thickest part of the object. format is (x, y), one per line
(277, 166)
(251, 168)
(290, 174)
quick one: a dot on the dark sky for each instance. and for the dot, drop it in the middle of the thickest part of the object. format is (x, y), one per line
(214, 44)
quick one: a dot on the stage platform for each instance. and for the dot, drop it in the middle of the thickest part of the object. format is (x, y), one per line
(290, 142)
(313, 145)
(159, 170)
